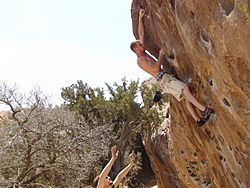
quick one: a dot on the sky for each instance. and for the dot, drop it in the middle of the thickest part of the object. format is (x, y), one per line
(54, 43)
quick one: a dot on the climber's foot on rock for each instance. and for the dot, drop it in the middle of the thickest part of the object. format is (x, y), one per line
(201, 122)
(208, 112)
(206, 116)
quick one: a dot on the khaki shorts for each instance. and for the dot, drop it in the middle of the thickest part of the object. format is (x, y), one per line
(173, 86)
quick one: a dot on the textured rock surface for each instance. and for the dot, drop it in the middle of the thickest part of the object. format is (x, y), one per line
(212, 42)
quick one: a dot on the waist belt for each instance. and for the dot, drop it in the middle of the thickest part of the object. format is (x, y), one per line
(160, 75)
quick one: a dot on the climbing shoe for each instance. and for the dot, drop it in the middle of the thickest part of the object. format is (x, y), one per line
(208, 112)
(201, 122)
(157, 96)
(206, 115)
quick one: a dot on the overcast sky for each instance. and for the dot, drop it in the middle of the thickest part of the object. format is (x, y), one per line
(54, 43)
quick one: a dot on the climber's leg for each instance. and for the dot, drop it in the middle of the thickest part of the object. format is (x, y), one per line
(208, 112)
(188, 95)
(190, 108)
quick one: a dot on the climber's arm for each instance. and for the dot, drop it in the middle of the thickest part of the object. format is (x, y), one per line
(141, 26)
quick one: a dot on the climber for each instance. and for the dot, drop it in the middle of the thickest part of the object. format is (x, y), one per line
(167, 82)
(104, 181)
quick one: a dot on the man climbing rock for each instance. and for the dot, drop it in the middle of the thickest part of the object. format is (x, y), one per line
(167, 82)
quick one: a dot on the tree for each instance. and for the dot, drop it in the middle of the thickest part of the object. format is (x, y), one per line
(42, 145)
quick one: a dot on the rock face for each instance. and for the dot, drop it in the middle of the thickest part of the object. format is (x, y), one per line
(212, 43)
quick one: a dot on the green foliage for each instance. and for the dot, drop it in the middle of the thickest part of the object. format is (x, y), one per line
(93, 105)
(121, 106)
(90, 103)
